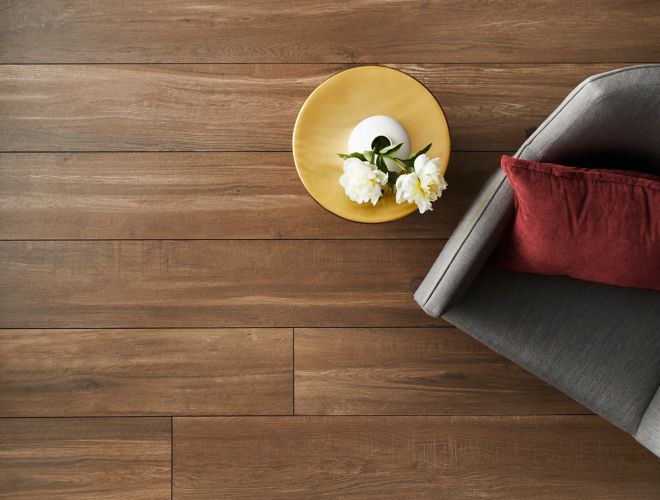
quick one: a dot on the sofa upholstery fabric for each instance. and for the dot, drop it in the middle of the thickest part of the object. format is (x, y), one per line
(578, 336)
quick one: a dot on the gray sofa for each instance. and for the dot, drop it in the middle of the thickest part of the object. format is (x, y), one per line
(599, 344)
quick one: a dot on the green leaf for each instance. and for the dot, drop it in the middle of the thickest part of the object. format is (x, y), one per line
(391, 149)
(369, 155)
(359, 156)
(392, 177)
(421, 152)
(380, 163)
(410, 162)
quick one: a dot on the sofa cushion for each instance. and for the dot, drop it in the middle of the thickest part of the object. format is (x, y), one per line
(591, 224)
(597, 343)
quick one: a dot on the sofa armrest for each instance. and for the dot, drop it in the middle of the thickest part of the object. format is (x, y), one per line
(648, 432)
(469, 247)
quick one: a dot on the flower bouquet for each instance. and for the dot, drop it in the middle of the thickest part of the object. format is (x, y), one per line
(370, 174)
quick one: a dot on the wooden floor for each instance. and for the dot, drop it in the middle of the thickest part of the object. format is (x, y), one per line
(178, 318)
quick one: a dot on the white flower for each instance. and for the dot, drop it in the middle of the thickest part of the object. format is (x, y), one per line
(423, 186)
(362, 181)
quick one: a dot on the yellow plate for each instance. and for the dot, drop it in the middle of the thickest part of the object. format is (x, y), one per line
(336, 106)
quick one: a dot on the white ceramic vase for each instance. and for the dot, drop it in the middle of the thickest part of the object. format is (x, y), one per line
(380, 128)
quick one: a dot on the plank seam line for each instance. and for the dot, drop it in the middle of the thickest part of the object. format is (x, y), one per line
(304, 415)
(293, 371)
(196, 151)
(228, 327)
(331, 63)
(224, 239)
(362, 327)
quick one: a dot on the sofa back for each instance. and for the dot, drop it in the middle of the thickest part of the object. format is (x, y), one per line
(611, 120)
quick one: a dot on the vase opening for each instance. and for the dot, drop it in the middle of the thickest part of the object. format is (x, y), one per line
(380, 142)
(378, 132)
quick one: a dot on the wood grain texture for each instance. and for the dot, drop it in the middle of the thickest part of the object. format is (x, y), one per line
(197, 195)
(145, 372)
(160, 131)
(94, 284)
(571, 457)
(414, 371)
(250, 107)
(327, 31)
(85, 458)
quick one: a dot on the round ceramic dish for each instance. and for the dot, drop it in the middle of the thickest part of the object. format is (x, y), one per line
(331, 112)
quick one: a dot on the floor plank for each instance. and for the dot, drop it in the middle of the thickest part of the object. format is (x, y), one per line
(248, 107)
(327, 31)
(197, 195)
(569, 457)
(248, 283)
(145, 372)
(85, 458)
(414, 371)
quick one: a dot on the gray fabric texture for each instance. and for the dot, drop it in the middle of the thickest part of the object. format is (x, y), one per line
(597, 343)
(610, 120)
(648, 432)
(586, 339)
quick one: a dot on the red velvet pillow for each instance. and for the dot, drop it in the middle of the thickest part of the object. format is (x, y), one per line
(590, 224)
